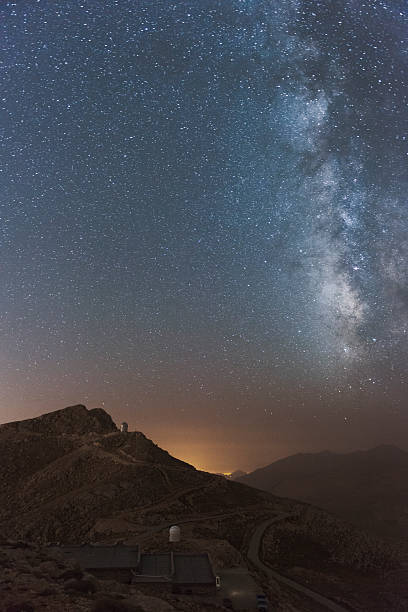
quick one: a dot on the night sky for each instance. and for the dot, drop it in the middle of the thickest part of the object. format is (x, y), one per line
(204, 221)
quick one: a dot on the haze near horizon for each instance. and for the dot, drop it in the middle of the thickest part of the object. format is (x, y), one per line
(203, 221)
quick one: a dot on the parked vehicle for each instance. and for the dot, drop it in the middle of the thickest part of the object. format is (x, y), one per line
(262, 603)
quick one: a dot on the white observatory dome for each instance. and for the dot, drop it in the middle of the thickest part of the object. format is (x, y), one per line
(174, 533)
(124, 427)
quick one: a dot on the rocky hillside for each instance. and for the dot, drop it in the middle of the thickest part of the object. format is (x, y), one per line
(71, 477)
(55, 483)
(79, 484)
(368, 488)
(34, 579)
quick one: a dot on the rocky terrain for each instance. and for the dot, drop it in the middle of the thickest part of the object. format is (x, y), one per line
(71, 477)
(334, 558)
(35, 579)
(367, 488)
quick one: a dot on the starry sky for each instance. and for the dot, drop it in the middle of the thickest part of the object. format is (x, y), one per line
(204, 221)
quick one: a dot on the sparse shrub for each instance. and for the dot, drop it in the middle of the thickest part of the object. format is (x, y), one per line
(47, 591)
(80, 586)
(112, 605)
(22, 607)
(71, 573)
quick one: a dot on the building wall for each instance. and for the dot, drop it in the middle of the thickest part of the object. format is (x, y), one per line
(195, 589)
(153, 588)
(120, 575)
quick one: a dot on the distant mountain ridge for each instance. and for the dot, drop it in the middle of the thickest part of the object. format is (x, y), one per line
(237, 474)
(368, 488)
(233, 476)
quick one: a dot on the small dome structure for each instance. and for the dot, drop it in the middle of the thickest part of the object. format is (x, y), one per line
(124, 427)
(174, 533)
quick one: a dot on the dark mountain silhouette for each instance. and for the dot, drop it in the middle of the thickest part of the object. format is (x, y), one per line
(71, 420)
(65, 471)
(368, 488)
(70, 476)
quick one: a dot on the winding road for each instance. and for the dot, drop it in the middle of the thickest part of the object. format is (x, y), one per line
(253, 556)
(246, 591)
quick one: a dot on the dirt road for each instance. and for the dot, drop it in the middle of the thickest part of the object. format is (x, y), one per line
(253, 555)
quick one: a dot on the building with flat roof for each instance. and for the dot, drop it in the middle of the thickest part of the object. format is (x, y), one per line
(183, 572)
(193, 570)
(114, 562)
(178, 572)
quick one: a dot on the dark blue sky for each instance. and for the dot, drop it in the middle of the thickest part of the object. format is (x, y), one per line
(203, 220)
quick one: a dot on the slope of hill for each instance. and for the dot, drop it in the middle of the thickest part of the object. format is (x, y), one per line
(368, 488)
(71, 476)
(61, 485)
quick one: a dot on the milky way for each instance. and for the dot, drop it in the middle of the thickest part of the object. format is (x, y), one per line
(203, 219)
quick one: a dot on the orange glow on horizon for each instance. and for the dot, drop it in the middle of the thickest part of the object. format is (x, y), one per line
(201, 468)
(193, 457)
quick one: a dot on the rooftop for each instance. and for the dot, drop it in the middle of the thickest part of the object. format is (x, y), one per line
(155, 564)
(183, 568)
(103, 557)
(180, 568)
(193, 569)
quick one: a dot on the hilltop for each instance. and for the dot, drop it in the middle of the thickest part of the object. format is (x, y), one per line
(71, 420)
(71, 476)
(68, 468)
